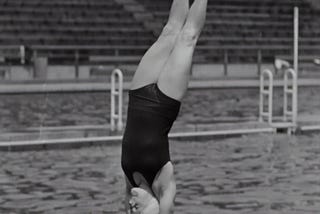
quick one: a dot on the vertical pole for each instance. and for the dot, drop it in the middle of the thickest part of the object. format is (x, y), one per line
(113, 102)
(296, 63)
(261, 104)
(295, 99)
(76, 63)
(22, 54)
(34, 58)
(259, 61)
(120, 101)
(285, 96)
(225, 63)
(270, 100)
(296, 40)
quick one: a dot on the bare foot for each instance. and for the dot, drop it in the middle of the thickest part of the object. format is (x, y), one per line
(143, 202)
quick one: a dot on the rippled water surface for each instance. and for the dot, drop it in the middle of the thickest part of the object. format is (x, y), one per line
(199, 106)
(258, 174)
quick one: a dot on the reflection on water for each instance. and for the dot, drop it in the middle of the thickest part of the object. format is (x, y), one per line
(259, 174)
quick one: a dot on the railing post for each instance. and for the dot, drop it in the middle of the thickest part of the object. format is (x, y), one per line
(116, 100)
(266, 92)
(34, 58)
(225, 62)
(259, 61)
(76, 63)
(296, 41)
(22, 54)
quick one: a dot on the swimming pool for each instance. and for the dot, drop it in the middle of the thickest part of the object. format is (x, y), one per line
(198, 107)
(258, 174)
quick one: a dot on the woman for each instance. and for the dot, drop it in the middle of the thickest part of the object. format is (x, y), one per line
(158, 86)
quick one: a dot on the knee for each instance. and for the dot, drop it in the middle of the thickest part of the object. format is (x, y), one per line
(171, 29)
(189, 35)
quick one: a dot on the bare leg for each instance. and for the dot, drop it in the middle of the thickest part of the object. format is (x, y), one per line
(155, 58)
(174, 78)
(164, 187)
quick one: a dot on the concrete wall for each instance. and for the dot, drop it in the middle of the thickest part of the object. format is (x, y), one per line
(233, 70)
(199, 71)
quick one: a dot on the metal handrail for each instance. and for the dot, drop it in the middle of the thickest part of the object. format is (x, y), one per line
(288, 114)
(116, 100)
(266, 92)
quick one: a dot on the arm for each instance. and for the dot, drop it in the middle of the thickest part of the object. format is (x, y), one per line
(127, 198)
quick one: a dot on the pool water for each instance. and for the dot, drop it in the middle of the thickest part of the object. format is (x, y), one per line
(198, 106)
(258, 174)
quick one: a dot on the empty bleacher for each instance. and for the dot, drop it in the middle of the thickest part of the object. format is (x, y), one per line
(236, 28)
(241, 26)
(77, 23)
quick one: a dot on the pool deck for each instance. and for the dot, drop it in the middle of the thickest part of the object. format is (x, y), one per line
(87, 135)
(102, 134)
(94, 86)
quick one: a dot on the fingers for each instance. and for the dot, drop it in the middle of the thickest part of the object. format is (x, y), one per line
(135, 208)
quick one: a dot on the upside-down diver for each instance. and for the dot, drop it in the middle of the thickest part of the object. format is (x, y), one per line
(158, 86)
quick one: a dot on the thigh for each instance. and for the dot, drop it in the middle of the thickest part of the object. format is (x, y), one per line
(155, 58)
(165, 181)
(174, 78)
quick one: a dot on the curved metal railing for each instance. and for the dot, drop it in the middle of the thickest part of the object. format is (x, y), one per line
(266, 90)
(290, 111)
(116, 100)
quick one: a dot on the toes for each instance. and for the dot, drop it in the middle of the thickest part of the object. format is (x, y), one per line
(134, 206)
(138, 201)
(132, 202)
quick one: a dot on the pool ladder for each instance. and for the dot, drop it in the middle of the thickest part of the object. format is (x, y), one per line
(116, 122)
(266, 90)
(293, 92)
(290, 109)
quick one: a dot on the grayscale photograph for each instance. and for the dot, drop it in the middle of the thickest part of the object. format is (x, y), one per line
(159, 106)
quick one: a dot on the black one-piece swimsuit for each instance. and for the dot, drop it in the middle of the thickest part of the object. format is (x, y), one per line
(145, 145)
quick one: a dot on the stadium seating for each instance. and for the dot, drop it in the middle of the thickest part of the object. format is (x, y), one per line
(238, 28)
(248, 24)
